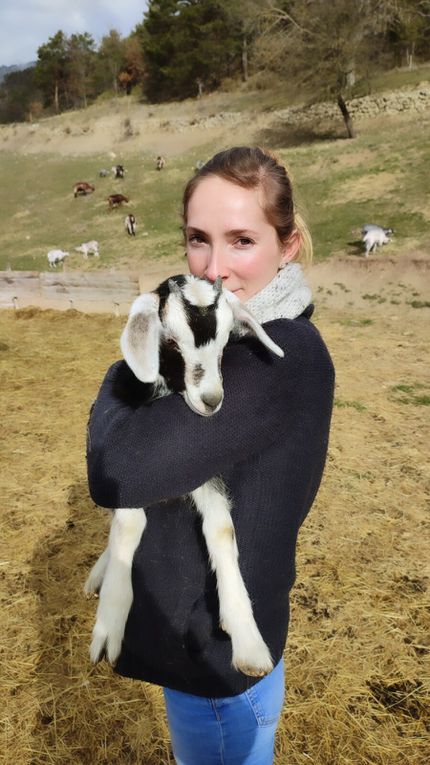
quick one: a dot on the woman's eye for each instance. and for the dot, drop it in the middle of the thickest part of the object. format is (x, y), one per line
(244, 241)
(195, 239)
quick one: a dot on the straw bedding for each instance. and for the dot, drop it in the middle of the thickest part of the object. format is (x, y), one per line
(358, 687)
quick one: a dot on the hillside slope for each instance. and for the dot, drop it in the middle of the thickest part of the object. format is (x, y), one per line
(381, 176)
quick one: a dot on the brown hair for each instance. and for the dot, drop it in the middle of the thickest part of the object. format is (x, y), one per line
(251, 167)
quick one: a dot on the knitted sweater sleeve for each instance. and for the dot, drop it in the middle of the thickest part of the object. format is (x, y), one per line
(140, 455)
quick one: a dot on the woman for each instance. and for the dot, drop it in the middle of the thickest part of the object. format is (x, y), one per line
(268, 441)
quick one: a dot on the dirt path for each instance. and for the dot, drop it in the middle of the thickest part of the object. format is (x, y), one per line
(345, 282)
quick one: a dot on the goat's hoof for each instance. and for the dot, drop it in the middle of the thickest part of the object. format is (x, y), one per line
(104, 646)
(254, 668)
(90, 593)
(252, 659)
(253, 671)
(91, 587)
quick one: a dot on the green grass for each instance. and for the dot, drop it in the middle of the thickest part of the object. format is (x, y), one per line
(410, 393)
(356, 322)
(39, 212)
(357, 405)
(419, 303)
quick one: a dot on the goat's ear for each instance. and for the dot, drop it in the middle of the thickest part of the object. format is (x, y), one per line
(247, 321)
(140, 339)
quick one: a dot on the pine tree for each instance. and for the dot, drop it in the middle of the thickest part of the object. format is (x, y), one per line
(189, 46)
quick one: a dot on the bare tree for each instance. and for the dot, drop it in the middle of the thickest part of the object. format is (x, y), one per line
(324, 46)
(245, 15)
(411, 25)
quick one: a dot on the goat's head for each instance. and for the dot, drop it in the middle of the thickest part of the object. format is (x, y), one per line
(178, 333)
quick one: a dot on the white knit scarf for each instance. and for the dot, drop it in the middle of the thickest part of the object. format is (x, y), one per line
(285, 297)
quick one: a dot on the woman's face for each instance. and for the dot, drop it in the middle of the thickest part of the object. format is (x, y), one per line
(228, 235)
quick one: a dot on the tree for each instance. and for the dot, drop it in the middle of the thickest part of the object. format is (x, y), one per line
(133, 63)
(18, 96)
(188, 46)
(80, 63)
(326, 45)
(110, 61)
(51, 68)
(245, 15)
(410, 28)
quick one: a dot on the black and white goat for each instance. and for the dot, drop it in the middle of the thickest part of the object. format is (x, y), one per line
(118, 171)
(190, 318)
(130, 224)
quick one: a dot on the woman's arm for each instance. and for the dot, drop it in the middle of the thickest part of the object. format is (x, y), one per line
(140, 455)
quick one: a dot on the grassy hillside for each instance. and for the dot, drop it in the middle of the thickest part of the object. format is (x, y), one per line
(378, 177)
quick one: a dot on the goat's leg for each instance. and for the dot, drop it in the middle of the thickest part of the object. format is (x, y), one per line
(116, 593)
(95, 579)
(250, 653)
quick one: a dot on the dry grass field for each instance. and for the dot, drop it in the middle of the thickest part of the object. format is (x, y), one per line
(358, 679)
(357, 658)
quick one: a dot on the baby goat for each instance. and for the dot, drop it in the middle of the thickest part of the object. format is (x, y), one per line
(116, 200)
(56, 256)
(89, 248)
(375, 236)
(82, 188)
(189, 319)
(130, 224)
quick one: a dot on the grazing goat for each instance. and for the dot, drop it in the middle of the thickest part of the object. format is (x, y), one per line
(103, 173)
(82, 188)
(118, 171)
(115, 200)
(189, 320)
(130, 225)
(56, 256)
(375, 236)
(89, 248)
(160, 163)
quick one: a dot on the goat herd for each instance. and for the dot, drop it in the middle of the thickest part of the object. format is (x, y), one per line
(373, 236)
(82, 189)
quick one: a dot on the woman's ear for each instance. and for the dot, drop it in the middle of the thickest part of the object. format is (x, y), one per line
(140, 340)
(290, 249)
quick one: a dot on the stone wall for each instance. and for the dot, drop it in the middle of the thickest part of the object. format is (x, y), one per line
(417, 100)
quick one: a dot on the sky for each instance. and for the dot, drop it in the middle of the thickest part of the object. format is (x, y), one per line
(25, 25)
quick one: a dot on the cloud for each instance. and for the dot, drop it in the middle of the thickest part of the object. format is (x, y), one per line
(25, 25)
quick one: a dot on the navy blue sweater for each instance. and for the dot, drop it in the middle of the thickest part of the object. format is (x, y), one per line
(269, 442)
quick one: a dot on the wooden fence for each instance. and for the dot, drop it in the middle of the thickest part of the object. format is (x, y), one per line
(91, 292)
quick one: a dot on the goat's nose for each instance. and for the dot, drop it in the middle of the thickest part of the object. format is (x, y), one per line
(212, 400)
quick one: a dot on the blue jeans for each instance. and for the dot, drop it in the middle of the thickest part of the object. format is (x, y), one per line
(236, 730)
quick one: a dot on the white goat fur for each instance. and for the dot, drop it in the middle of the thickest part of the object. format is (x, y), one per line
(375, 236)
(56, 256)
(89, 248)
(112, 572)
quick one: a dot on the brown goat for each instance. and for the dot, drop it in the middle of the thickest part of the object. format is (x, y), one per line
(116, 200)
(82, 188)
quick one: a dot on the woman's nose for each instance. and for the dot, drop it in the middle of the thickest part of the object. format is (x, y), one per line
(217, 265)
